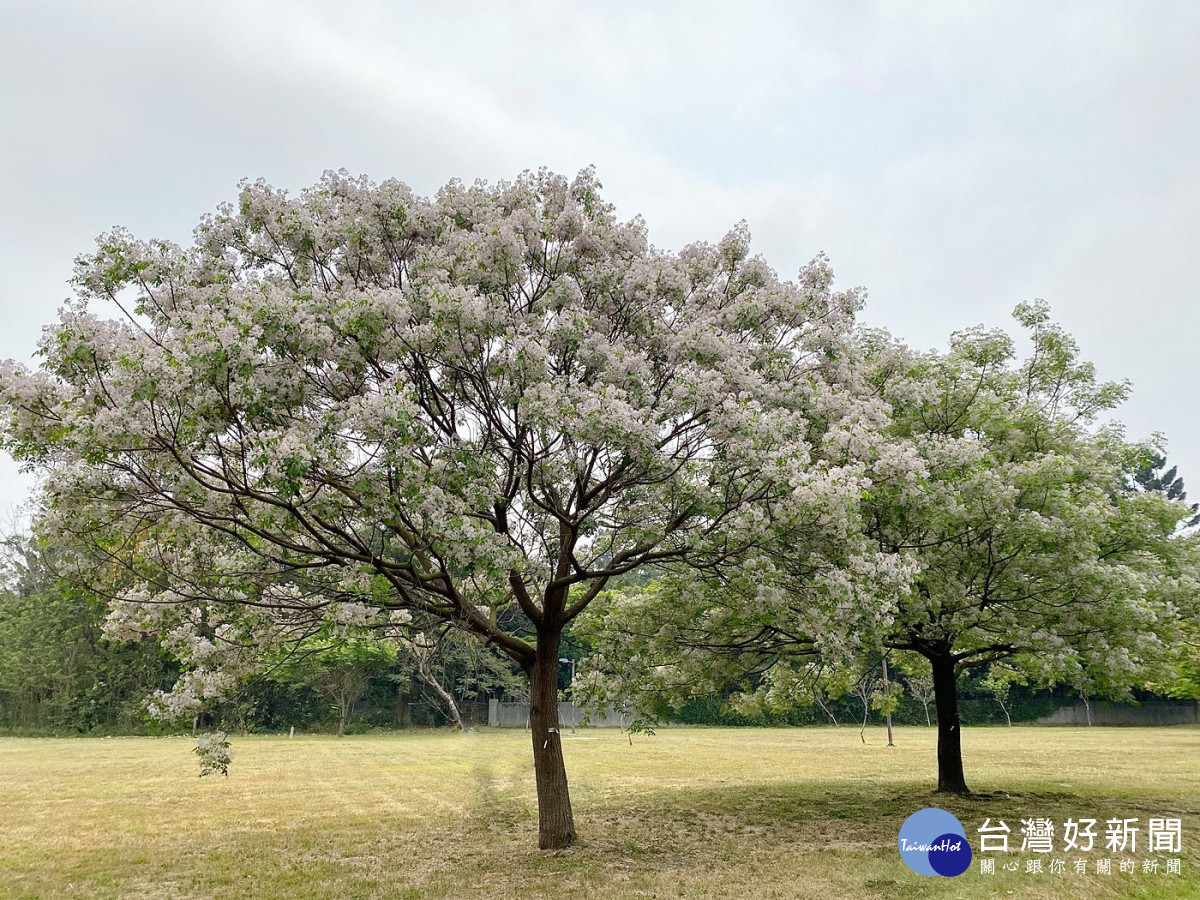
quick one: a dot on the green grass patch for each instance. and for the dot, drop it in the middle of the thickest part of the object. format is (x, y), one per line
(689, 812)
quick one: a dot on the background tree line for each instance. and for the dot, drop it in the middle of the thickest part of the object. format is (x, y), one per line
(60, 674)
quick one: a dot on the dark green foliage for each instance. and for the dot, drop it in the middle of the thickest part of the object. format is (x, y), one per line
(1154, 476)
(57, 673)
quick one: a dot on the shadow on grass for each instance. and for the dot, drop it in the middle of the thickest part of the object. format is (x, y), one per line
(700, 829)
(498, 802)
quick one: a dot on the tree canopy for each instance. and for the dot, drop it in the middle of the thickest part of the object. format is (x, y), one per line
(358, 407)
(999, 485)
(361, 419)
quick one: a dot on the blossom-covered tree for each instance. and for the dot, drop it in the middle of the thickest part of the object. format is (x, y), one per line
(1015, 502)
(360, 408)
(1015, 536)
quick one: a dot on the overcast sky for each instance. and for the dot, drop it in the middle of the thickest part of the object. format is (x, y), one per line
(954, 158)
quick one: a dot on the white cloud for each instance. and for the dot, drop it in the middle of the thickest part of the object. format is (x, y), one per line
(954, 158)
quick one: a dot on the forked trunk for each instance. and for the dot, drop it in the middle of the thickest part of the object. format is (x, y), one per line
(945, 697)
(556, 826)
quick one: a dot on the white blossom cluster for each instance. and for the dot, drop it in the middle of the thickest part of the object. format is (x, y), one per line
(215, 753)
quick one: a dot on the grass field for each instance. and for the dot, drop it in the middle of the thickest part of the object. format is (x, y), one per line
(685, 813)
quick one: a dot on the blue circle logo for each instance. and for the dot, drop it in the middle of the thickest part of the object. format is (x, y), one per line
(933, 842)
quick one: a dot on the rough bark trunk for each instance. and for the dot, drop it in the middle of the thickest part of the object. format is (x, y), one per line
(945, 697)
(402, 709)
(556, 826)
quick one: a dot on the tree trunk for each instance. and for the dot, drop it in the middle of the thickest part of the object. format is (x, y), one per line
(928, 721)
(887, 698)
(1004, 707)
(945, 697)
(402, 709)
(426, 671)
(556, 826)
(832, 718)
(343, 714)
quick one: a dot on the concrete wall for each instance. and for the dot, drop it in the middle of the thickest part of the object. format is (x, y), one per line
(1149, 712)
(516, 715)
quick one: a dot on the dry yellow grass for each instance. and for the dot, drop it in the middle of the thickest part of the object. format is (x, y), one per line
(686, 813)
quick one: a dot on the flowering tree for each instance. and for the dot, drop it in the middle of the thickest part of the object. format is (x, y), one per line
(1031, 546)
(1014, 533)
(359, 408)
